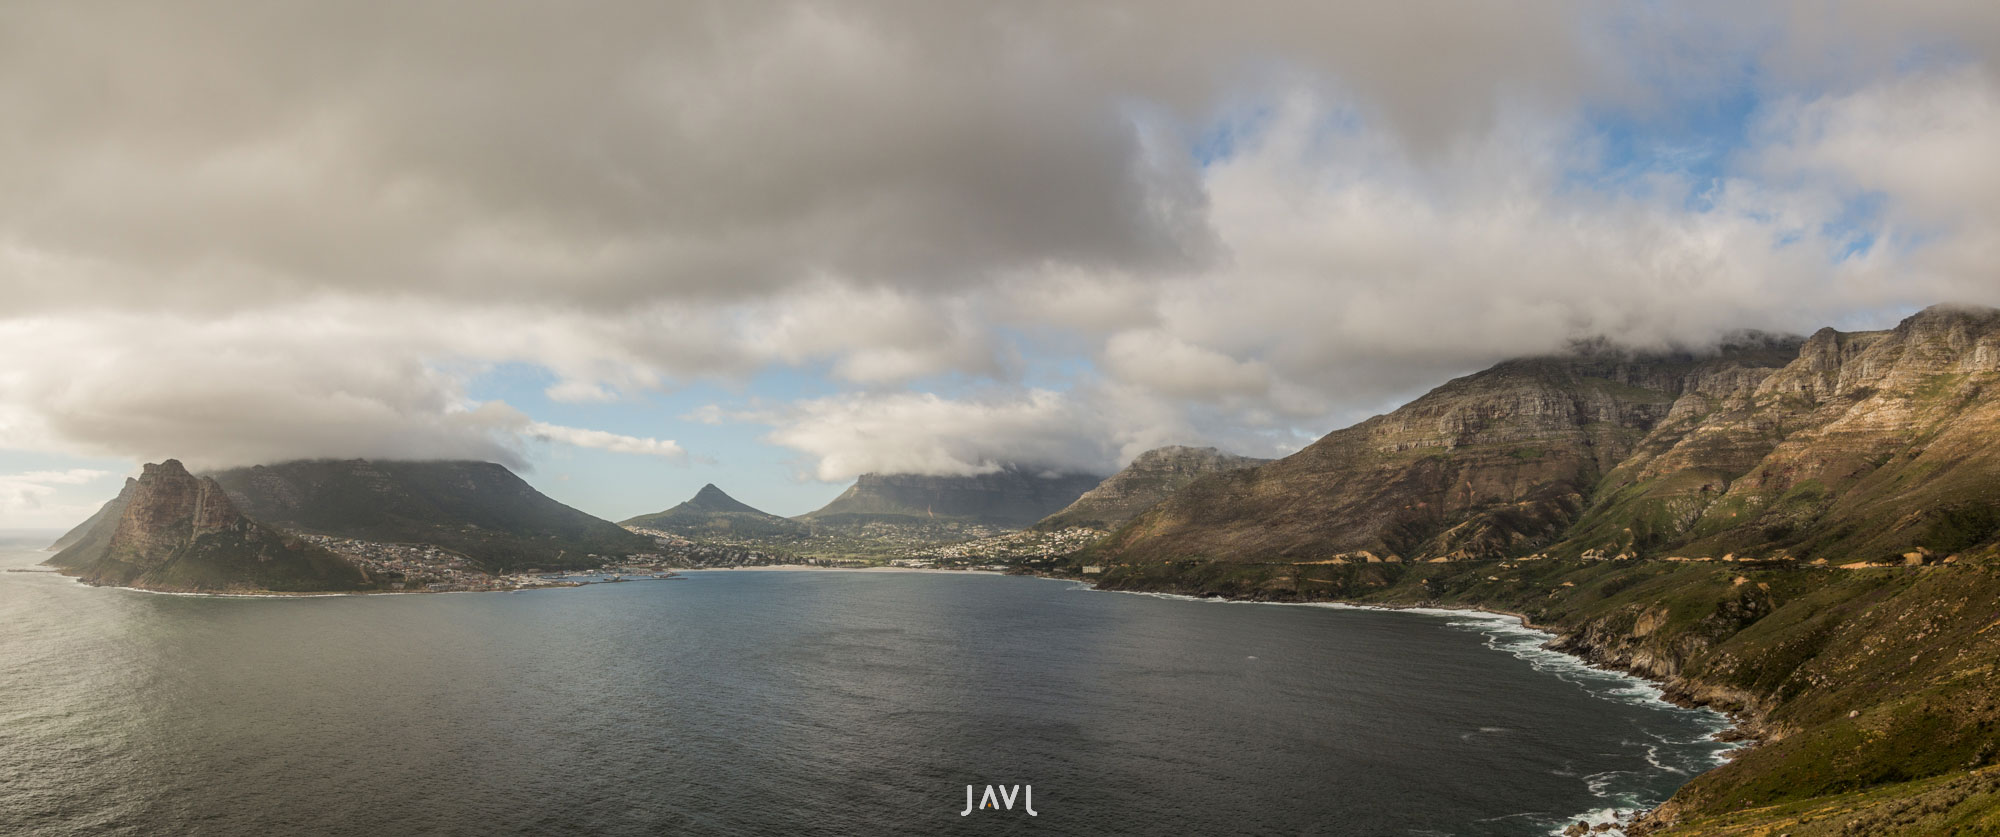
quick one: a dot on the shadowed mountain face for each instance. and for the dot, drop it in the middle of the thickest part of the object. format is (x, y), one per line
(1842, 446)
(1152, 477)
(170, 530)
(478, 508)
(713, 513)
(1010, 498)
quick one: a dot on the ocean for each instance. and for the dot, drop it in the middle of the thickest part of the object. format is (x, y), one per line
(783, 703)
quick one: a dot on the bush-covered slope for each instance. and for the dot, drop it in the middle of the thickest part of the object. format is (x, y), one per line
(478, 508)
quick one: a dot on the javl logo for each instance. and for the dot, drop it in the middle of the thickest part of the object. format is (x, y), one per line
(1003, 800)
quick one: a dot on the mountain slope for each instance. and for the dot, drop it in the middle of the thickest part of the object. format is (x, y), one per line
(111, 510)
(477, 508)
(1152, 477)
(1493, 463)
(713, 513)
(1010, 498)
(1867, 446)
(177, 532)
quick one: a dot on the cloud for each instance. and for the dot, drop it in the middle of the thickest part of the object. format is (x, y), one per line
(922, 433)
(602, 440)
(241, 232)
(28, 500)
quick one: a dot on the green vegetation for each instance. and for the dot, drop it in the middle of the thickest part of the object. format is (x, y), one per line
(479, 509)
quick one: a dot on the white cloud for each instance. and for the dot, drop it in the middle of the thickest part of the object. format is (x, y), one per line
(314, 258)
(29, 500)
(924, 434)
(603, 440)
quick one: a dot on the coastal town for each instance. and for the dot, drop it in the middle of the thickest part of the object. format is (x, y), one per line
(428, 568)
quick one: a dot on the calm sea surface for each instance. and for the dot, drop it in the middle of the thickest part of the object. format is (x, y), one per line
(788, 703)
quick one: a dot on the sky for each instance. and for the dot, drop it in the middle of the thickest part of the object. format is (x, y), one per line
(629, 247)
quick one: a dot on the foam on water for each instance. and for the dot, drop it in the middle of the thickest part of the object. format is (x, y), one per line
(1624, 790)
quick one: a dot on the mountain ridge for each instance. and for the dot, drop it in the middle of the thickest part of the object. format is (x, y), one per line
(480, 509)
(1151, 477)
(170, 530)
(712, 512)
(1011, 497)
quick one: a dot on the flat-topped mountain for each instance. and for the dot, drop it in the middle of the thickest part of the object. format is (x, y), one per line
(713, 513)
(1844, 446)
(1152, 477)
(480, 509)
(1009, 498)
(170, 530)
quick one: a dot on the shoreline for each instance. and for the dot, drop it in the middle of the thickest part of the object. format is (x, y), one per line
(278, 594)
(809, 568)
(1743, 730)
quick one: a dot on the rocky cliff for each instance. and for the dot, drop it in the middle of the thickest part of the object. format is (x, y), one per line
(713, 513)
(1726, 524)
(1152, 477)
(1493, 463)
(480, 509)
(176, 532)
(1866, 446)
(1846, 446)
(1010, 497)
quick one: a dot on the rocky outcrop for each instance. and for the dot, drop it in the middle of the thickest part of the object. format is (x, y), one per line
(1847, 446)
(1153, 476)
(177, 532)
(1490, 464)
(713, 513)
(1866, 446)
(480, 509)
(1009, 498)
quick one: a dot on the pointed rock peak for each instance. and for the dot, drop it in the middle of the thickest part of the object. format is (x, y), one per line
(166, 468)
(711, 498)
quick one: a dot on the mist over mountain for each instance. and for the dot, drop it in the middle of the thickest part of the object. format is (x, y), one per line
(170, 530)
(1008, 498)
(1861, 445)
(1152, 477)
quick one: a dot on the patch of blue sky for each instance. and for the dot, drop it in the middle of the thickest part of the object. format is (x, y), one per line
(1223, 137)
(731, 454)
(1695, 142)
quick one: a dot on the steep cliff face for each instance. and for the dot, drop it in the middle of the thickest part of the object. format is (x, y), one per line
(179, 532)
(1866, 446)
(478, 508)
(713, 513)
(1152, 477)
(1493, 463)
(1009, 497)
